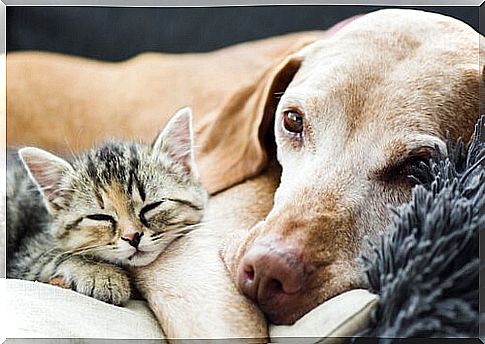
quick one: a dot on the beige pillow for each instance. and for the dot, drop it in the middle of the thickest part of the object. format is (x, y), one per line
(38, 310)
(341, 316)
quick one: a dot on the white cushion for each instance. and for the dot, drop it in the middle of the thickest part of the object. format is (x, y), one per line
(341, 316)
(38, 310)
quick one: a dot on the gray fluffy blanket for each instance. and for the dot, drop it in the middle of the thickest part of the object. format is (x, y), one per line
(426, 269)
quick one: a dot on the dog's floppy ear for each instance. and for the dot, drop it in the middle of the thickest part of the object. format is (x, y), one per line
(234, 145)
(280, 79)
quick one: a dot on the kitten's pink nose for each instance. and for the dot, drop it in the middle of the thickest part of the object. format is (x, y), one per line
(132, 237)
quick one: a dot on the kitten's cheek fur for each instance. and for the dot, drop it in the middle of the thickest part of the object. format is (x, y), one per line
(147, 257)
(142, 259)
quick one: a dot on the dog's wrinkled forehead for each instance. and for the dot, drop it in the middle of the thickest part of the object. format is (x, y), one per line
(389, 71)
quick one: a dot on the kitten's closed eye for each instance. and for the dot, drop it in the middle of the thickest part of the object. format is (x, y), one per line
(146, 211)
(102, 220)
(167, 211)
(101, 217)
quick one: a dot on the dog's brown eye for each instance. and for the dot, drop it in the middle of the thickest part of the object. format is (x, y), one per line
(293, 122)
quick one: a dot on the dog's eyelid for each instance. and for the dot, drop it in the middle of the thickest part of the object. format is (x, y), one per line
(291, 103)
(420, 153)
(293, 108)
(424, 152)
(425, 144)
(404, 164)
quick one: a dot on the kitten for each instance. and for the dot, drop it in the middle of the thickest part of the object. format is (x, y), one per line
(77, 224)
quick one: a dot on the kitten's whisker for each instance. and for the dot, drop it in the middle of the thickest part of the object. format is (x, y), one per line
(212, 222)
(83, 250)
(164, 235)
(182, 230)
(173, 233)
(66, 189)
(165, 239)
(176, 227)
(47, 252)
(72, 253)
(194, 225)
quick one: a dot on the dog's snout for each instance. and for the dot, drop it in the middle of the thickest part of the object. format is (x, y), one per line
(271, 275)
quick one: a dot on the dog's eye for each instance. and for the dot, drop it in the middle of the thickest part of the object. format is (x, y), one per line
(293, 122)
(412, 170)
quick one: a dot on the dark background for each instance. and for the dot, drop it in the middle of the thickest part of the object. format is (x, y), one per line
(117, 33)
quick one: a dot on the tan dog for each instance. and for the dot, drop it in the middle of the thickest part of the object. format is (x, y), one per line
(364, 108)
(356, 111)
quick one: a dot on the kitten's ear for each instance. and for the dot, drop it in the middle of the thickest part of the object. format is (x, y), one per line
(177, 140)
(46, 170)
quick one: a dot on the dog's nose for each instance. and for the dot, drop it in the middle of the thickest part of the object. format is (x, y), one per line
(270, 273)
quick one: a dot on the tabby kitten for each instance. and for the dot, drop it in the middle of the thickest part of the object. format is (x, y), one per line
(121, 204)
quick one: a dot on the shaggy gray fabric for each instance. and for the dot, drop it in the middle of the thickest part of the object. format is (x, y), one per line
(426, 269)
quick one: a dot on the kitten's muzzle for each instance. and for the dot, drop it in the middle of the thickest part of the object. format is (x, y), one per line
(133, 238)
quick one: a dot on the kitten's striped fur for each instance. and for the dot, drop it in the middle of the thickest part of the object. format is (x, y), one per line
(117, 205)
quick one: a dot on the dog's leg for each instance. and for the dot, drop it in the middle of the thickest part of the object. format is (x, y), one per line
(188, 287)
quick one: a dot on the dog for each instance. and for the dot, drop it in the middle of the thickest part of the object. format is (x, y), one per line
(353, 114)
(363, 109)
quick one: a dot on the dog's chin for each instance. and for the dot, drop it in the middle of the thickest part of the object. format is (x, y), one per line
(285, 317)
(285, 313)
(288, 309)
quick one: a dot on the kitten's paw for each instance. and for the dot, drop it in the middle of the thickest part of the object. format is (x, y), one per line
(59, 282)
(103, 282)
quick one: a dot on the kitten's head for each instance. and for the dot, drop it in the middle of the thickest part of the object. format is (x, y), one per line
(128, 201)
